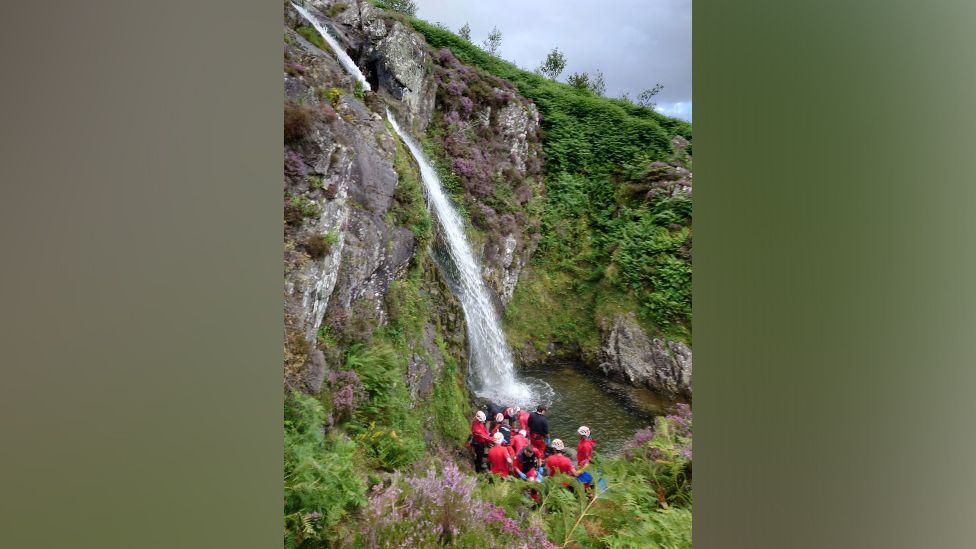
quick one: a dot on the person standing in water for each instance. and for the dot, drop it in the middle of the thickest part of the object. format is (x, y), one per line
(479, 440)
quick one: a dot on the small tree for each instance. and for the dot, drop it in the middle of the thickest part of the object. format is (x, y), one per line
(597, 84)
(465, 32)
(646, 97)
(441, 26)
(403, 6)
(579, 80)
(554, 64)
(493, 42)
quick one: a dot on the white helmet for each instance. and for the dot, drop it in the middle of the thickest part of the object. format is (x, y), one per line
(509, 412)
(558, 445)
(584, 431)
(480, 416)
(499, 417)
(499, 438)
(523, 433)
(517, 409)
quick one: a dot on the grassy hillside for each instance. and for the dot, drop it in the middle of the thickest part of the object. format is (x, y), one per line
(613, 238)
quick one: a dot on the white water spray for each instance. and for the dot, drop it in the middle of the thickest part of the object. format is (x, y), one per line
(340, 52)
(492, 368)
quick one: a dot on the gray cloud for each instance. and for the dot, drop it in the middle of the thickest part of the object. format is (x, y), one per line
(636, 43)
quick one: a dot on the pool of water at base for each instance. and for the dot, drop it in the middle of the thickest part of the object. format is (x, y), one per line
(613, 410)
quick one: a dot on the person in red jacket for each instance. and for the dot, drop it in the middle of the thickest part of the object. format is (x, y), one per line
(523, 419)
(499, 458)
(559, 463)
(584, 450)
(519, 441)
(479, 440)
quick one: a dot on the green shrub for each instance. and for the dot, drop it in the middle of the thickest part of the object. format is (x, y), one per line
(298, 208)
(336, 9)
(320, 245)
(332, 95)
(385, 425)
(321, 484)
(603, 238)
(314, 182)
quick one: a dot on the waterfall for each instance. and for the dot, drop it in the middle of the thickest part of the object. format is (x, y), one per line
(344, 59)
(492, 370)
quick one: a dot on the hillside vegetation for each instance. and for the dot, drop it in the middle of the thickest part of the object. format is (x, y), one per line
(614, 234)
(370, 460)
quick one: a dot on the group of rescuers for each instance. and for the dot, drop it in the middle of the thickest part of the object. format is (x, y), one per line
(517, 442)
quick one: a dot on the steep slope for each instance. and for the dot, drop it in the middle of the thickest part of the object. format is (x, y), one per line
(610, 284)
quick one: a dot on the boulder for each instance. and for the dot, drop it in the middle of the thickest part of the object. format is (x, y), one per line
(629, 353)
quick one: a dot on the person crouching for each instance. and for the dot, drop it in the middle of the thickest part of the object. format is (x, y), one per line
(499, 460)
(557, 462)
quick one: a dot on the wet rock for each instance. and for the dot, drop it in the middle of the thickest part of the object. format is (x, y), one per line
(365, 17)
(629, 353)
(402, 67)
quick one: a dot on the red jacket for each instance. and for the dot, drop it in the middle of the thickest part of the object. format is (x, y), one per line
(479, 433)
(523, 419)
(518, 442)
(498, 458)
(558, 463)
(584, 451)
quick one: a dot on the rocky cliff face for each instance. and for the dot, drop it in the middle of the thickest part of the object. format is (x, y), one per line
(343, 245)
(629, 353)
(394, 59)
(486, 133)
(489, 136)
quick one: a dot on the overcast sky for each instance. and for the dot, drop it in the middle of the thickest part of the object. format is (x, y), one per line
(636, 43)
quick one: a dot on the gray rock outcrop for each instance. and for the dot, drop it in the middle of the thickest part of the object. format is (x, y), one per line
(402, 66)
(629, 353)
(341, 176)
(393, 56)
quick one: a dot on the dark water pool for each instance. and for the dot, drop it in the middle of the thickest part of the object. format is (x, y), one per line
(612, 410)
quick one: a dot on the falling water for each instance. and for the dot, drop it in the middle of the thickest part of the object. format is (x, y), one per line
(344, 58)
(492, 369)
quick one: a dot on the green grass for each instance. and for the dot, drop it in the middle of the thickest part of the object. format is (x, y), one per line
(409, 208)
(313, 36)
(604, 248)
(602, 238)
(451, 405)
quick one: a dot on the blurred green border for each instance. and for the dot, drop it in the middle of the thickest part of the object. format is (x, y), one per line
(834, 269)
(140, 222)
